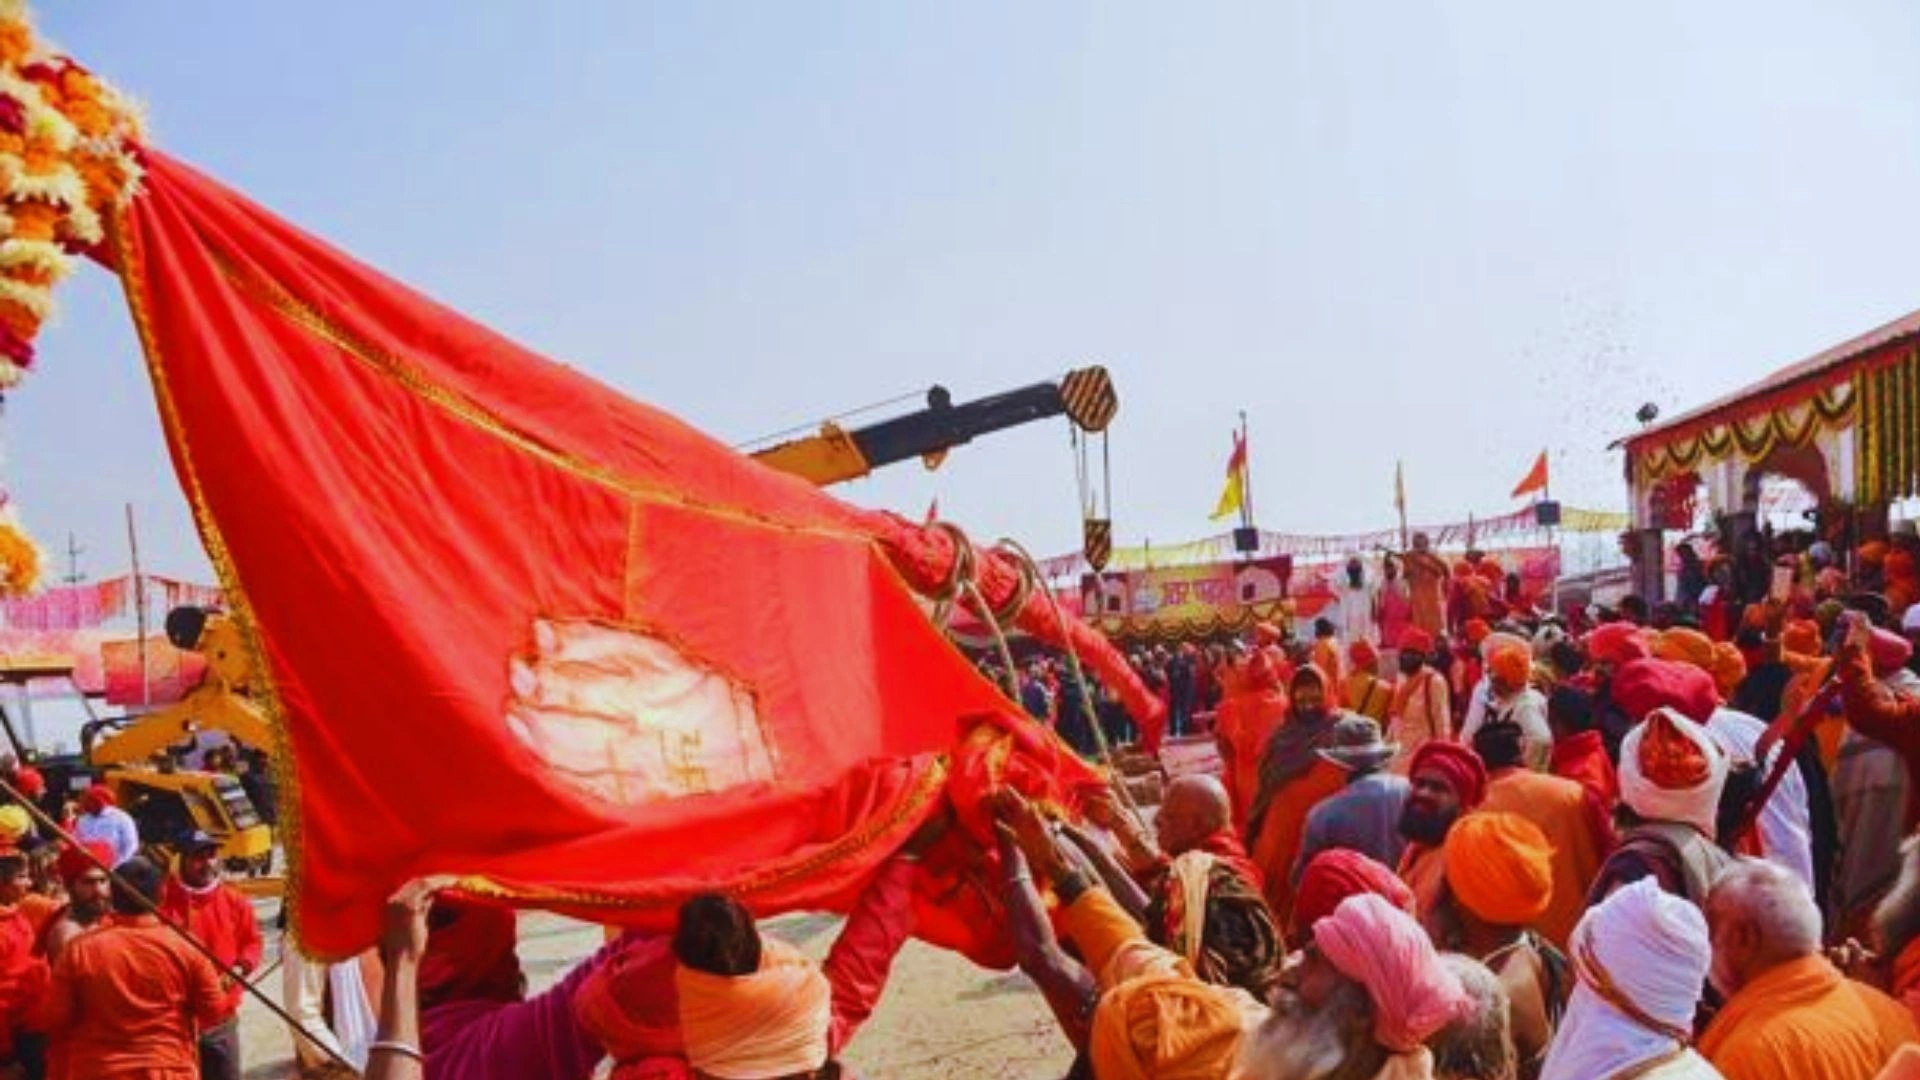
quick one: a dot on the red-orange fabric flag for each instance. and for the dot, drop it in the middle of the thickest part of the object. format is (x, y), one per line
(523, 630)
(1536, 478)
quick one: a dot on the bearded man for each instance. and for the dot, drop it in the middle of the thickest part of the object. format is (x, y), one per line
(1422, 704)
(1448, 780)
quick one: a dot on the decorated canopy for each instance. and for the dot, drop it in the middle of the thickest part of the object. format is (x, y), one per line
(1844, 423)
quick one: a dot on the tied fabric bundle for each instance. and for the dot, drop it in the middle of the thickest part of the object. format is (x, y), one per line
(771, 1023)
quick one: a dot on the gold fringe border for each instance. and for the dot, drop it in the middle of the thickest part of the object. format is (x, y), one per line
(286, 775)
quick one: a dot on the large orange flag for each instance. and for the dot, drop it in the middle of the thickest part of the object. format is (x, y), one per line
(521, 629)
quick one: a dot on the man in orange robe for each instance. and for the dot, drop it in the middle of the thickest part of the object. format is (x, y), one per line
(1790, 1014)
(127, 998)
(1427, 579)
(1247, 718)
(1293, 779)
(1574, 822)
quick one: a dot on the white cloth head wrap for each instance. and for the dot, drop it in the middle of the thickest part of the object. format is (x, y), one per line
(1698, 805)
(1641, 957)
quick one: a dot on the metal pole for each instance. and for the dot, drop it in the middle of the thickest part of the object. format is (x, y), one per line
(1246, 475)
(139, 606)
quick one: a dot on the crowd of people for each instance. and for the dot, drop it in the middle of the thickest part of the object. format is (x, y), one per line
(1479, 843)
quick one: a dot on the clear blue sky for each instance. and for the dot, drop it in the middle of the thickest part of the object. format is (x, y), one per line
(1447, 232)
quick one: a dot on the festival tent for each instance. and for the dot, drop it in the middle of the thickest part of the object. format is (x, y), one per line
(510, 625)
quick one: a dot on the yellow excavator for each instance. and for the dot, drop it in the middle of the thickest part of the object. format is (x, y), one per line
(135, 756)
(836, 454)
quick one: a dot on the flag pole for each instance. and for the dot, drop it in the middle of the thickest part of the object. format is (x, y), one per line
(1400, 500)
(1553, 539)
(139, 606)
(1246, 475)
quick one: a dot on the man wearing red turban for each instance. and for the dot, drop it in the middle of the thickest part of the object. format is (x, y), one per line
(1338, 873)
(1422, 703)
(1448, 780)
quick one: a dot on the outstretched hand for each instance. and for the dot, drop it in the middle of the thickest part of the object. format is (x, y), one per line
(404, 934)
(1030, 831)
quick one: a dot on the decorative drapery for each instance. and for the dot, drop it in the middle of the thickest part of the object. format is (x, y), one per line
(1793, 422)
(1887, 438)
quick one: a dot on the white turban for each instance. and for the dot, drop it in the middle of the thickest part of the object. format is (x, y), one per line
(1672, 769)
(1641, 957)
(751, 1027)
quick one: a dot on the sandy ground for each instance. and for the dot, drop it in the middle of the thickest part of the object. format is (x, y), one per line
(941, 1016)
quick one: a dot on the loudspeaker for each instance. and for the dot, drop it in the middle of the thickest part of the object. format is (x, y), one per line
(1546, 513)
(1246, 541)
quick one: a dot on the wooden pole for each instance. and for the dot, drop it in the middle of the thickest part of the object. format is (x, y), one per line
(139, 604)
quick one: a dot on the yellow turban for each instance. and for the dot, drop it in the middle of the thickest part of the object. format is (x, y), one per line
(1500, 867)
(1686, 646)
(1729, 668)
(750, 1027)
(14, 823)
(1168, 1025)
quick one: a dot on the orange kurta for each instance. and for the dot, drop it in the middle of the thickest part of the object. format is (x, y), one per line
(1427, 580)
(126, 1000)
(1326, 654)
(1278, 844)
(1424, 869)
(1805, 1021)
(1242, 726)
(1561, 809)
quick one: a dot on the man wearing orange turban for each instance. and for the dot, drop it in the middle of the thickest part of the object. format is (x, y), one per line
(1574, 822)
(1512, 698)
(1367, 693)
(1500, 880)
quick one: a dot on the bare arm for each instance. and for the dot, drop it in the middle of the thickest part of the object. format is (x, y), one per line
(396, 1051)
(1125, 888)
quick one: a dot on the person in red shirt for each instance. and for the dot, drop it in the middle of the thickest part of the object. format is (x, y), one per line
(222, 919)
(23, 973)
(126, 999)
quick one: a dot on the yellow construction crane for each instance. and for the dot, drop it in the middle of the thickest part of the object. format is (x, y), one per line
(837, 454)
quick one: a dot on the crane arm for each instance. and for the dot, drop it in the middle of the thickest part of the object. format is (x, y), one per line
(208, 707)
(1085, 396)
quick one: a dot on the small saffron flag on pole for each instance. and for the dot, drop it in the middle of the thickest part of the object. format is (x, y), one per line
(1234, 495)
(1536, 478)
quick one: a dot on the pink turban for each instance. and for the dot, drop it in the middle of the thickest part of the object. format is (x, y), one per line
(1889, 652)
(1380, 947)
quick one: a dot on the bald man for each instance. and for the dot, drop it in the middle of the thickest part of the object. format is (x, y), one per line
(1234, 941)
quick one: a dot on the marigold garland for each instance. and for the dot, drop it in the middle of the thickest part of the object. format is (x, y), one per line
(67, 157)
(20, 560)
